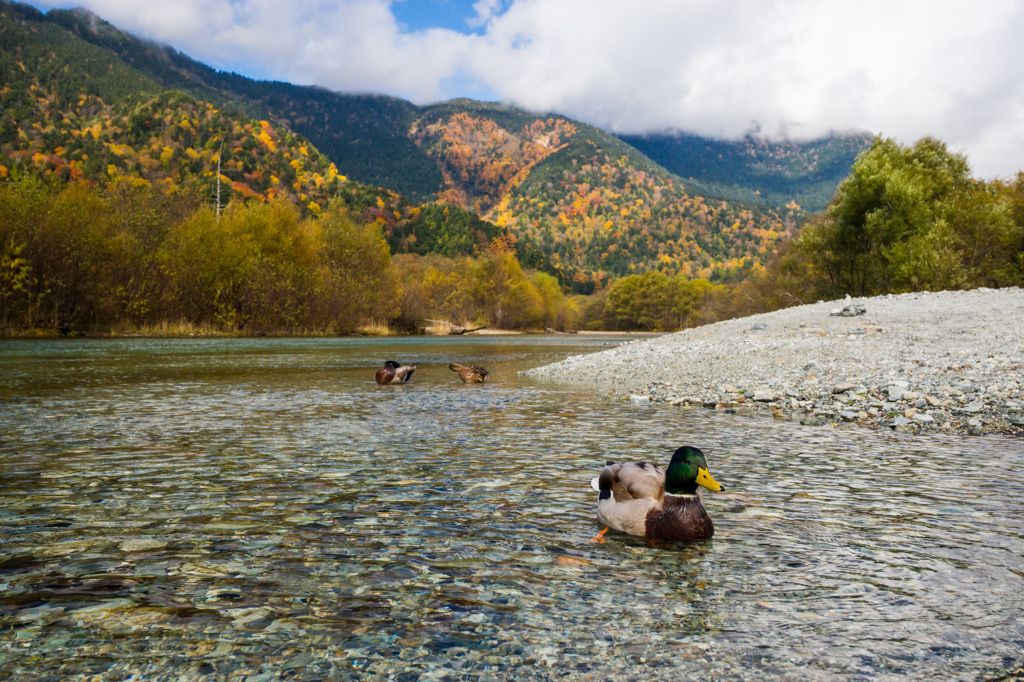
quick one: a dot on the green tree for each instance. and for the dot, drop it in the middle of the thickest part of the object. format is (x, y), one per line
(892, 224)
(654, 301)
(687, 301)
(988, 220)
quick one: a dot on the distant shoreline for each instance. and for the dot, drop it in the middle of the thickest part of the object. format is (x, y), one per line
(40, 334)
(943, 362)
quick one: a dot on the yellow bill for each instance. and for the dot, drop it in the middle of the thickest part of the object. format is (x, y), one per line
(704, 479)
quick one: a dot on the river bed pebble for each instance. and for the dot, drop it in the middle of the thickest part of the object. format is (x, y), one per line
(948, 362)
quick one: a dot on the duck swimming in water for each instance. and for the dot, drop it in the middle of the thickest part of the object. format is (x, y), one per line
(642, 499)
(471, 374)
(393, 373)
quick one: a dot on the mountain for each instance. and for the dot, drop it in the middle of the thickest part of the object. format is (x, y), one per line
(755, 170)
(576, 201)
(72, 108)
(365, 135)
(592, 205)
(172, 141)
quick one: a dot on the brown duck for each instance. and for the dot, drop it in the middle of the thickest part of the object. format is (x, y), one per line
(642, 499)
(393, 373)
(471, 374)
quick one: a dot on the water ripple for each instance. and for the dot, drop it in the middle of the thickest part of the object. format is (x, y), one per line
(261, 508)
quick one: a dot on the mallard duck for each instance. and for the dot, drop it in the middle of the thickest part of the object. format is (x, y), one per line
(393, 373)
(471, 374)
(642, 499)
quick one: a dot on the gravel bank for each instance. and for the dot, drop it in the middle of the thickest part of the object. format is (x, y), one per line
(949, 362)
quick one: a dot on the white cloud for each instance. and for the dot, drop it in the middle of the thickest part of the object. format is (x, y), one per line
(903, 68)
(485, 9)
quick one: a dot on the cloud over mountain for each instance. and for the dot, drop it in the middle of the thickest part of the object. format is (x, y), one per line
(797, 67)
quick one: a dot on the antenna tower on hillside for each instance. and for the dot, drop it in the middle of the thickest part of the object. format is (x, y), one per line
(219, 152)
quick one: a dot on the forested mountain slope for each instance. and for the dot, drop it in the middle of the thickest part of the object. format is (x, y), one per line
(755, 170)
(366, 135)
(82, 98)
(72, 109)
(592, 205)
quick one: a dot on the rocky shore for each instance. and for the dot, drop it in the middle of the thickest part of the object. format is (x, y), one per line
(947, 362)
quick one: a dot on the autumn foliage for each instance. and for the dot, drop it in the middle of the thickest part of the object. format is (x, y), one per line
(125, 257)
(483, 161)
(173, 143)
(590, 209)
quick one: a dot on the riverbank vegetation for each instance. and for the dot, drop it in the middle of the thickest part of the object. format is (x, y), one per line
(79, 258)
(131, 257)
(908, 218)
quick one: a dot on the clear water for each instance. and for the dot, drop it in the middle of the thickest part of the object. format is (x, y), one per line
(261, 509)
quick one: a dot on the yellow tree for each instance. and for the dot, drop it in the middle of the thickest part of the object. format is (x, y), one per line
(356, 276)
(505, 295)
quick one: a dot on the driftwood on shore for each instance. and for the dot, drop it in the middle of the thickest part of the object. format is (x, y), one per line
(454, 329)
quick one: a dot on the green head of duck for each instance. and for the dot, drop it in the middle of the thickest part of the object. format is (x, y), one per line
(686, 471)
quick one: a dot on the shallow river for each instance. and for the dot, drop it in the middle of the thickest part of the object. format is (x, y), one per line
(261, 509)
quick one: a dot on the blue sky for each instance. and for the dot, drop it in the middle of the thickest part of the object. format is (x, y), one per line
(456, 15)
(952, 69)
